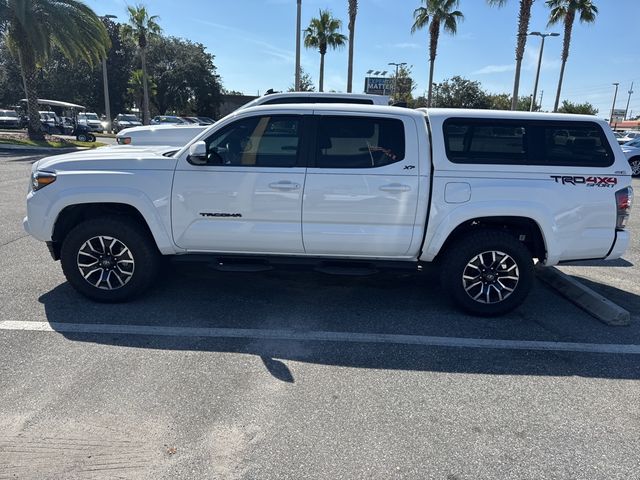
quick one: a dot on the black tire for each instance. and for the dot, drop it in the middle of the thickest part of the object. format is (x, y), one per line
(461, 258)
(82, 137)
(634, 163)
(92, 138)
(143, 257)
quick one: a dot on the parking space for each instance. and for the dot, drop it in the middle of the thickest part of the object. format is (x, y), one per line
(303, 375)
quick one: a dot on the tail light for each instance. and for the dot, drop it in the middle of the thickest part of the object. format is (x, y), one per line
(624, 201)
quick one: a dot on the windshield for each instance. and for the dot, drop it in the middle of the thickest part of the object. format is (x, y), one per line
(129, 118)
(8, 113)
(88, 116)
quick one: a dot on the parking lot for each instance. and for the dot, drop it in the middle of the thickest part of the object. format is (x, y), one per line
(304, 375)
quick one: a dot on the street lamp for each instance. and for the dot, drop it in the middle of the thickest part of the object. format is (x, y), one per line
(613, 107)
(105, 81)
(535, 88)
(395, 84)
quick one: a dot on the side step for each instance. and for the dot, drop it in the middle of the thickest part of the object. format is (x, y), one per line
(350, 269)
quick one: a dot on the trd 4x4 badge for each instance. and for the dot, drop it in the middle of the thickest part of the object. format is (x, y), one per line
(605, 182)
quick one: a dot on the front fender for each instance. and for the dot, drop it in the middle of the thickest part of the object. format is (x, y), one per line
(155, 212)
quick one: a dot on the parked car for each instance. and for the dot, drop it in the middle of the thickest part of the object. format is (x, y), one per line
(166, 119)
(9, 119)
(632, 152)
(198, 120)
(168, 135)
(482, 193)
(91, 121)
(628, 136)
(67, 125)
(180, 137)
(125, 120)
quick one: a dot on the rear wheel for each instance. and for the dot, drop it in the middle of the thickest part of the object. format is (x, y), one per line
(109, 259)
(82, 137)
(487, 273)
(635, 166)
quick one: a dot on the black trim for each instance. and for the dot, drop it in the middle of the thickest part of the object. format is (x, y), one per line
(430, 181)
(613, 245)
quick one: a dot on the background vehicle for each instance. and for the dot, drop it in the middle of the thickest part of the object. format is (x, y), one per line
(9, 119)
(83, 133)
(180, 137)
(483, 193)
(166, 135)
(628, 136)
(632, 152)
(166, 119)
(125, 120)
(198, 120)
(51, 123)
(91, 121)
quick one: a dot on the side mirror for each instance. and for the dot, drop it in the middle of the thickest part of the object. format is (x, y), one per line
(198, 153)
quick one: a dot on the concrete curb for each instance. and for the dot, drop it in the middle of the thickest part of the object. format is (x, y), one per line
(590, 301)
(28, 148)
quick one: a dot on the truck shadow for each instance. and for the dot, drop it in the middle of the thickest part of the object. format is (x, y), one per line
(398, 304)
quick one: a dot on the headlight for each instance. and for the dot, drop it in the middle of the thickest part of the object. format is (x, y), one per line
(41, 179)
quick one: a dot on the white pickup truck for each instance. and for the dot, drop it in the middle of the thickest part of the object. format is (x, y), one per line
(479, 193)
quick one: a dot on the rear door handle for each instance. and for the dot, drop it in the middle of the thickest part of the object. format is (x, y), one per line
(395, 187)
(284, 185)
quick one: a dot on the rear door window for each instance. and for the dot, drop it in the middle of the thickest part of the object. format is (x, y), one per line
(575, 145)
(359, 142)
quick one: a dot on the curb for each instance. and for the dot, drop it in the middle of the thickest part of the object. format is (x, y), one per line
(587, 299)
(5, 146)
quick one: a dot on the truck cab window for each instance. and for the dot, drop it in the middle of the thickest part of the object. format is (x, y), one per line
(268, 141)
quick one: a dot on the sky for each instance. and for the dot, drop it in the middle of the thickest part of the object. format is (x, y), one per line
(253, 42)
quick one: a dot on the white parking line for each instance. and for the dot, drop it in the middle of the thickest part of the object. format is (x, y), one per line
(301, 335)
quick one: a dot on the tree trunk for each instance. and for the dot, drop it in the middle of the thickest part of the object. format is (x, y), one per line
(516, 85)
(28, 67)
(557, 102)
(434, 34)
(566, 43)
(321, 86)
(431, 62)
(352, 34)
(524, 17)
(145, 88)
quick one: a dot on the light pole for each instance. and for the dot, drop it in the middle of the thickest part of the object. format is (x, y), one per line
(105, 82)
(535, 88)
(298, 28)
(615, 95)
(626, 110)
(395, 84)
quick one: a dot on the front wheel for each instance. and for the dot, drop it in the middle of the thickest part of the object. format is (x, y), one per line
(110, 259)
(82, 137)
(487, 273)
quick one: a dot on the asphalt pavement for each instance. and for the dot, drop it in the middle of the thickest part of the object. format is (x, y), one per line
(291, 375)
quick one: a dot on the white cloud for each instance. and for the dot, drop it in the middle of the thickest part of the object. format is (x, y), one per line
(494, 69)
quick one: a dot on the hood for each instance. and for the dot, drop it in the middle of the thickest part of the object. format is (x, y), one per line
(117, 157)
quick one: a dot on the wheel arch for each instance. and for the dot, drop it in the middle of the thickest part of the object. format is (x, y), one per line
(525, 229)
(74, 214)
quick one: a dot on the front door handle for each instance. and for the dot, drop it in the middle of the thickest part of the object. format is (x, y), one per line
(284, 185)
(395, 188)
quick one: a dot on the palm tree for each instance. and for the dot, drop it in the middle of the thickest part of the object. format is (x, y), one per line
(33, 27)
(436, 13)
(524, 16)
(140, 28)
(322, 33)
(353, 12)
(565, 11)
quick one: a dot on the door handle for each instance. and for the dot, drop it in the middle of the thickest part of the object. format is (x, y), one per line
(284, 185)
(395, 187)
